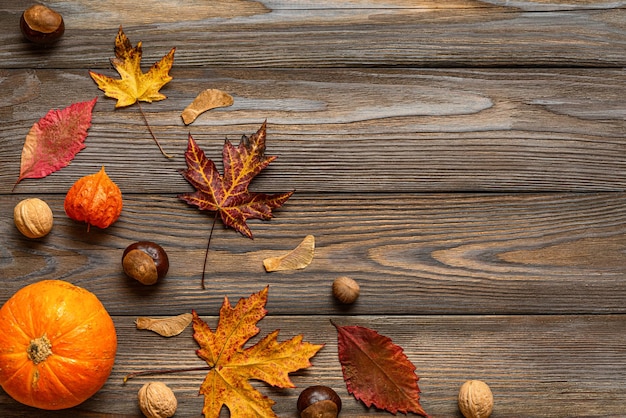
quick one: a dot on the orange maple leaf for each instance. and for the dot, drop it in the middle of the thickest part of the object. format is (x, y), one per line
(232, 365)
(134, 86)
(228, 195)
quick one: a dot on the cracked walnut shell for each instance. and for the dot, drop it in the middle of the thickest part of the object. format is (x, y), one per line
(475, 399)
(156, 400)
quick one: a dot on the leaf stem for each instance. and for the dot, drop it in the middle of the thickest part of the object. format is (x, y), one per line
(152, 133)
(163, 371)
(206, 254)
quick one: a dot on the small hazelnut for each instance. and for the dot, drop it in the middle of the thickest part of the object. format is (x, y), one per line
(33, 217)
(319, 402)
(475, 399)
(156, 400)
(345, 289)
(145, 262)
(41, 25)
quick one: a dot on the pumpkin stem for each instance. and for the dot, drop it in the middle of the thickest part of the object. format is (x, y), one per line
(39, 349)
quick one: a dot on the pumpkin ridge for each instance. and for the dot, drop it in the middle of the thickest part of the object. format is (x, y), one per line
(19, 327)
(89, 319)
(51, 377)
(18, 369)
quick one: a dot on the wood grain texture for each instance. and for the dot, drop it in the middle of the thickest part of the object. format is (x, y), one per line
(353, 131)
(356, 34)
(464, 161)
(563, 363)
(426, 254)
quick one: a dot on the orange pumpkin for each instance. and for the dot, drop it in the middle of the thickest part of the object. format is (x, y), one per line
(94, 199)
(57, 345)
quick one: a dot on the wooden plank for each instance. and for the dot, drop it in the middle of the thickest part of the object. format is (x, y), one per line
(472, 182)
(362, 34)
(348, 130)
(412, 254)
(568, 365)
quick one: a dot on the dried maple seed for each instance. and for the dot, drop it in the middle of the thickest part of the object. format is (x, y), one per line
(206, 100)
(145, 262)
(319, 402)
(33, 217)
(346, 290)
(156, 400)
(167, 327)
(475, 399)
(298, 258)
(41, 25)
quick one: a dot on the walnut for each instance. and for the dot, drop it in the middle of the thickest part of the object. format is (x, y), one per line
(33, 217)
(475, 399)
(156, 400)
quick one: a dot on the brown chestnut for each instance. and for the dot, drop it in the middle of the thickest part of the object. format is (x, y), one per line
(319, 402)
(41, 25)
(145, 262)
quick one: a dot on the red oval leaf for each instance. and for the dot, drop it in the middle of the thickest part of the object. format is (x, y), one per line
(377, 372)
(55, 139)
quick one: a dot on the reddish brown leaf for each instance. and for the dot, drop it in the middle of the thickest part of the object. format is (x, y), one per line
(377, 371)
(232, 365)
(228, 194)
(55, 139)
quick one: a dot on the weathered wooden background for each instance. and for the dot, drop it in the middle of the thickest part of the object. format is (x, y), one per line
(465, 161)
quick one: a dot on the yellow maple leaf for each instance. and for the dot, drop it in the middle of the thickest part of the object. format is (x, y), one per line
(232, 365)
(134, 85)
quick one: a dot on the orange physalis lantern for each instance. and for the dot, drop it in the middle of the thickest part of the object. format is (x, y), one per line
(94, 199)
(57, 345)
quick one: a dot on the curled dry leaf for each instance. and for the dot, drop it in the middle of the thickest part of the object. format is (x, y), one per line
(167, 327)
(206, 100)
(298, 258)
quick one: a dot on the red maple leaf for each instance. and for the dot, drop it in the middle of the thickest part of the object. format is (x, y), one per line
(377, 371)
(228, 195)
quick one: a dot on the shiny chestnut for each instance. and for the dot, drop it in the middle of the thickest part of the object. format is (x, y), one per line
(41, 25)
(145, 262)
(319, 402)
